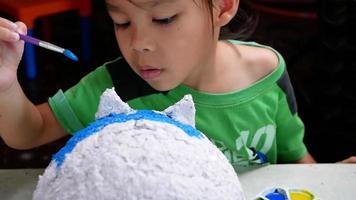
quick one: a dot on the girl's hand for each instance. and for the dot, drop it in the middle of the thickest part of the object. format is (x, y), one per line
(11, 50)
(351, 159)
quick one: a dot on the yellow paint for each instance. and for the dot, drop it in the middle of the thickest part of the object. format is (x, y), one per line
(301, 195)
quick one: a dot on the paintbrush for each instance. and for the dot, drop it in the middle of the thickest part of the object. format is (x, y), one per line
(49, 46)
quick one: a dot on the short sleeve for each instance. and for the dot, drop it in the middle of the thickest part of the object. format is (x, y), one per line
(76, 107)
(290, 128)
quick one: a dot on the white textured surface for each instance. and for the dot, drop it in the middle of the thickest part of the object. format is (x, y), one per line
(183, 111)
(141, 160)
(110, 102)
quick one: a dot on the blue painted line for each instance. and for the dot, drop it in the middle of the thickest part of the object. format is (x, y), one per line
(99, 124)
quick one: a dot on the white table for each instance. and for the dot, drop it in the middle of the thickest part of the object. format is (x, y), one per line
(326, 181)
(18, 184)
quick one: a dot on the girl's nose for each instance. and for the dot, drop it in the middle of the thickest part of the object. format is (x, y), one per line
(142, 42)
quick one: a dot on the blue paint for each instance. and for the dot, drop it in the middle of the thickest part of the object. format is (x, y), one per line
(70, 55)
(276, 195)
(99, 124)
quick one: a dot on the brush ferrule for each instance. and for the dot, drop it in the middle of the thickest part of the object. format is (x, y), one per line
(51, 47)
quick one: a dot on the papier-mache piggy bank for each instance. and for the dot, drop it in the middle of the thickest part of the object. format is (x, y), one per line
(140, 155)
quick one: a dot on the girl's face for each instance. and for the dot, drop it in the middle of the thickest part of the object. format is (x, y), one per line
(166, 42)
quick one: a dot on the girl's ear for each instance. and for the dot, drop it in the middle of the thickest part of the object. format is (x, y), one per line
(226, 10)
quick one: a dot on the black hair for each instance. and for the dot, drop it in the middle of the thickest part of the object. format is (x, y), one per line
(242, 26)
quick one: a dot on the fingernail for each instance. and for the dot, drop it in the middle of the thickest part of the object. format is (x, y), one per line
(19, 30)
(14, 36)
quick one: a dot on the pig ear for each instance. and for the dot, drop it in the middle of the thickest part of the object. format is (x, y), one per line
(110, 102)
(183, 111)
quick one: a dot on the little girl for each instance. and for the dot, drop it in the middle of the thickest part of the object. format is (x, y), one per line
(244, 100)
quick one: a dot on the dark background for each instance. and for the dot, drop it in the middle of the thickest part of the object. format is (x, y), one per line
(317, 39)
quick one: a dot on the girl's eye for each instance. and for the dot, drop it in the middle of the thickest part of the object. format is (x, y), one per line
(165, 21)
(122, 25)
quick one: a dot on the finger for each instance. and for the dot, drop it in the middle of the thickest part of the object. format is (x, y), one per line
(351, 159)
(21, 27)
(8, 35)
(8, 24)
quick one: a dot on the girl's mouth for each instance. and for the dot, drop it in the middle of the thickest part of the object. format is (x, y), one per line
(150, 73)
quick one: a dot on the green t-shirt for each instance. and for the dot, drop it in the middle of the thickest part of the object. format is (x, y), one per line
(248, 125)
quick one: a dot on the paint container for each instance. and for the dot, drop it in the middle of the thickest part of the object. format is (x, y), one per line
(280, 193)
